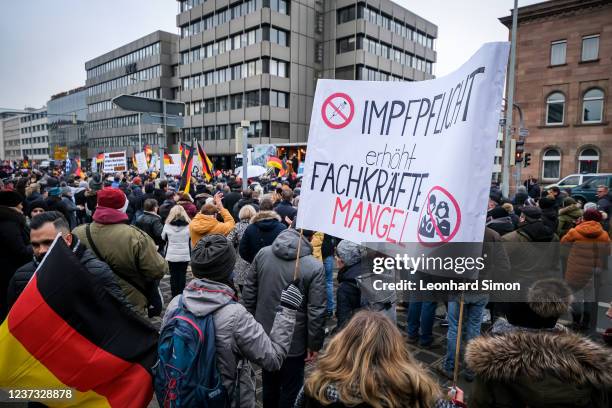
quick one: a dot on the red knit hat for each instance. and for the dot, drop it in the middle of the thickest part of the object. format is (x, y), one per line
(137, 181)
(592, 214)
(112, 198)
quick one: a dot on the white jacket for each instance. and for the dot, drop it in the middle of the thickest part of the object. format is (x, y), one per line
(177, 237)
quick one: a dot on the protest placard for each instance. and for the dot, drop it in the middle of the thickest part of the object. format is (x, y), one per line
(115, 162)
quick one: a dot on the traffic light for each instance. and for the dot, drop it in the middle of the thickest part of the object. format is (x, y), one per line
(518, 152)
(527, 161)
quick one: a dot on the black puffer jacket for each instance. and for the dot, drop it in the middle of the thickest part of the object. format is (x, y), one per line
(264, 228)
(15, 249)
(102, 273)
(152, 225)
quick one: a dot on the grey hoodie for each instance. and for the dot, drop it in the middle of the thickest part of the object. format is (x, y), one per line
(271, 271)
(237, 334)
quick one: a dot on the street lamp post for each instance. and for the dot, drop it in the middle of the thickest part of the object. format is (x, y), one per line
(508, 135)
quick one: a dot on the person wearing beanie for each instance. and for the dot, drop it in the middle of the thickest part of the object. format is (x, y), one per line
(531, 360)
(36, 207)
(130, 253)
(15, 249)
(569, 214)
(499, 220)
(206, 222)
(238, 335)
(588, 245)
(520, 197)
(56, 203)
(185, 201)
(272, 270)
(348, 295)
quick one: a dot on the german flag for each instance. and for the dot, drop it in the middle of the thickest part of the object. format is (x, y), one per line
(207, 166)
(167, 159)
(148, 153)
(184, 150)
(186, 171)
(65, 331)
(275, 162)
(100, 158)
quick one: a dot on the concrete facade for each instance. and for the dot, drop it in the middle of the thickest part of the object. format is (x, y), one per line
(11, 142)
(284, 47)
(34, 135)
(561, 141)
(142, 67)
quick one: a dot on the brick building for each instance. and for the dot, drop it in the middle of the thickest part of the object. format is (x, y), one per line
(563, 85)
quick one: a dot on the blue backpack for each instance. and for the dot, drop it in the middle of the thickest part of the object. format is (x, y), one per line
(186, 373)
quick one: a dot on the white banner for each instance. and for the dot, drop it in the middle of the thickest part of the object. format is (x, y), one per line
(115, 162)
(141, 162)
(405, 161)
(174, 168)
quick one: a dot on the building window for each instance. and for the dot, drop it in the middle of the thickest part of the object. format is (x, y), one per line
(592, 106)
(590, 48)
(346, 14)
(555, 108)
(345, 45)
(551, 164)
(557, 52)
(588, 161)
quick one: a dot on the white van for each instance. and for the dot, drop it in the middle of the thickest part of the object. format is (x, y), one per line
(571, 181)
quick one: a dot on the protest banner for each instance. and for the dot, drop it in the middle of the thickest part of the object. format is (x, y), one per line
(405, 161)
(174, 168)
(141, 162)
(114, 162)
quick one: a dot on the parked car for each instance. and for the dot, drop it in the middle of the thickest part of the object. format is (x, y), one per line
(587, 191)
(571, 181)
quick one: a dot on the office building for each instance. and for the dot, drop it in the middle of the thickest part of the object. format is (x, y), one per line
(259, 60)
(67, 118)
(13, 132)
(563, 85)
(34, 135)
(143, 67)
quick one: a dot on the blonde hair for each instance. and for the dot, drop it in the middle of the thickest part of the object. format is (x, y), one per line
(247, 212)
(178, 213)
(368, 362)
(508, 207)
(34, 187)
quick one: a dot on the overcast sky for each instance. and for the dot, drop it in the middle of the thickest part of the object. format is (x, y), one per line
(44, 44)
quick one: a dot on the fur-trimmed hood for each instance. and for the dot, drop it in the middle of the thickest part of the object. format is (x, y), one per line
(571, 359)
(265, 215)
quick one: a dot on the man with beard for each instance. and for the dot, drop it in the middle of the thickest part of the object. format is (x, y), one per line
(43, 230)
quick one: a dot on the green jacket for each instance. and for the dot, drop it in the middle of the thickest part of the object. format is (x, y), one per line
(539, 369)
(130, 253)
(567, 218)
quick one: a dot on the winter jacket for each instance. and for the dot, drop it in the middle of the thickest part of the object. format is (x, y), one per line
(241, 267)
(237, 334)
(131, 254)
(176, 234)
(539, 369)
(206, 225)
(15, 250)
(241, 203)
(91, 202)
(230, 199)
(71, 208)
(519, 199)
(189, 207)
(285, 209)
(550, 217)
(501, 225)
(604, 204)
(159, 195)
(151, 224)
(101, 272)
(533, 251)
(271, 271)
(136, 199)
(589, 246)
(57, 204)
(567, 218)
(264, 228)
(348, 295)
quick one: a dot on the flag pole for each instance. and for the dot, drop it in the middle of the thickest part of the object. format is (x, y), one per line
(458, 340)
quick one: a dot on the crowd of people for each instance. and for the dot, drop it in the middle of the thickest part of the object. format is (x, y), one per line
(270, 290)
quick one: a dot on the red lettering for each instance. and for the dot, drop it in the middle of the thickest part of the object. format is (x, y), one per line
(386, 227)
(371, 217)
(358, 214)
(346, 207)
